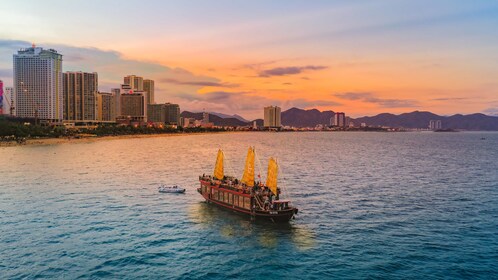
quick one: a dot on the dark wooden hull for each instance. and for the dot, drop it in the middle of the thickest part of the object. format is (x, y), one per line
(275, 216)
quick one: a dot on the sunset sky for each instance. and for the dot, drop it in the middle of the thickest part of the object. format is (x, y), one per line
(360, 57)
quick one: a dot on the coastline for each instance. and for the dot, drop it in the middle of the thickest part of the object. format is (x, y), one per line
(91, 139)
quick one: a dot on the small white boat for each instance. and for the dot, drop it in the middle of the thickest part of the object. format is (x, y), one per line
(173, 189)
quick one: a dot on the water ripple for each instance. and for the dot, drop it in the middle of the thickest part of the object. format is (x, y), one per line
(371, 205)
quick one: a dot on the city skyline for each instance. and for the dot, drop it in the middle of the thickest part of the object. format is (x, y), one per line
(360, 57)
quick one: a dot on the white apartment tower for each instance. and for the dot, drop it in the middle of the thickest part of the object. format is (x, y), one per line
(38, 84)
(272, 116)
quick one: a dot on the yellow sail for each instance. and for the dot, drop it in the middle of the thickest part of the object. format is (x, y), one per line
(271, 179)
(248, 177)
(218, 168)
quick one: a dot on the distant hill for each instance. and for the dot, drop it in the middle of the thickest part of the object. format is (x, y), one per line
(419, 119)
(225, 116)
(305, 118)
(217, 120)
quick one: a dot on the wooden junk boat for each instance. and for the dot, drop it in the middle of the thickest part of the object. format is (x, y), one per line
(247, 196)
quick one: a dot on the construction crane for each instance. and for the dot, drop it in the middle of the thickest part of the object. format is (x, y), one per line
(9, 104)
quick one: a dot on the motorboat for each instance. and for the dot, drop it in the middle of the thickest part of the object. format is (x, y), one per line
(173, 189)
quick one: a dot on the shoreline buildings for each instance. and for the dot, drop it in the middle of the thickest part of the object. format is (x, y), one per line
(38, 84)
(272, 117)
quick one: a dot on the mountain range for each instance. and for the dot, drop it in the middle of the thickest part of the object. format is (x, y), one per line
(310, 118)
(419, 119)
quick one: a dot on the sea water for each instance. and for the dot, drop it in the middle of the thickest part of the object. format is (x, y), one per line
(371, 205)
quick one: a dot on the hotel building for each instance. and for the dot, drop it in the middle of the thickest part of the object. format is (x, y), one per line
(133, 107)
(38, 85)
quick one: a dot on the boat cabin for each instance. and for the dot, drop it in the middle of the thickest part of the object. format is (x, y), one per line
(280, 204)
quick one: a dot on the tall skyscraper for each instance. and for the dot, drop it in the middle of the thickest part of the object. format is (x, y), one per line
(149, 89)
(340, 119)
(80, 96)
(38, 84)
(106, 107)
(167, 113)
(135, 82)
(272, 116)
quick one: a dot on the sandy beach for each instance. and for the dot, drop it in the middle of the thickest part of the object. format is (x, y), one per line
(57, 141)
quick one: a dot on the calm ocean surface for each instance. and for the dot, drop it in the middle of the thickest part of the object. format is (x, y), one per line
(371, 205)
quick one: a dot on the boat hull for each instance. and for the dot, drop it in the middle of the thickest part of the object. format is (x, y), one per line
(176, 191)
(275, 216)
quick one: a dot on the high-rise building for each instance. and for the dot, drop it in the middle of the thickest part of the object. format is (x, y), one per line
(38, 85)
(133, 106)
(135, 82)
(167, 113)
(149, 89)
(272, 116)
(340, 119)
(106, 107)
(80, 96)
(435, 124)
